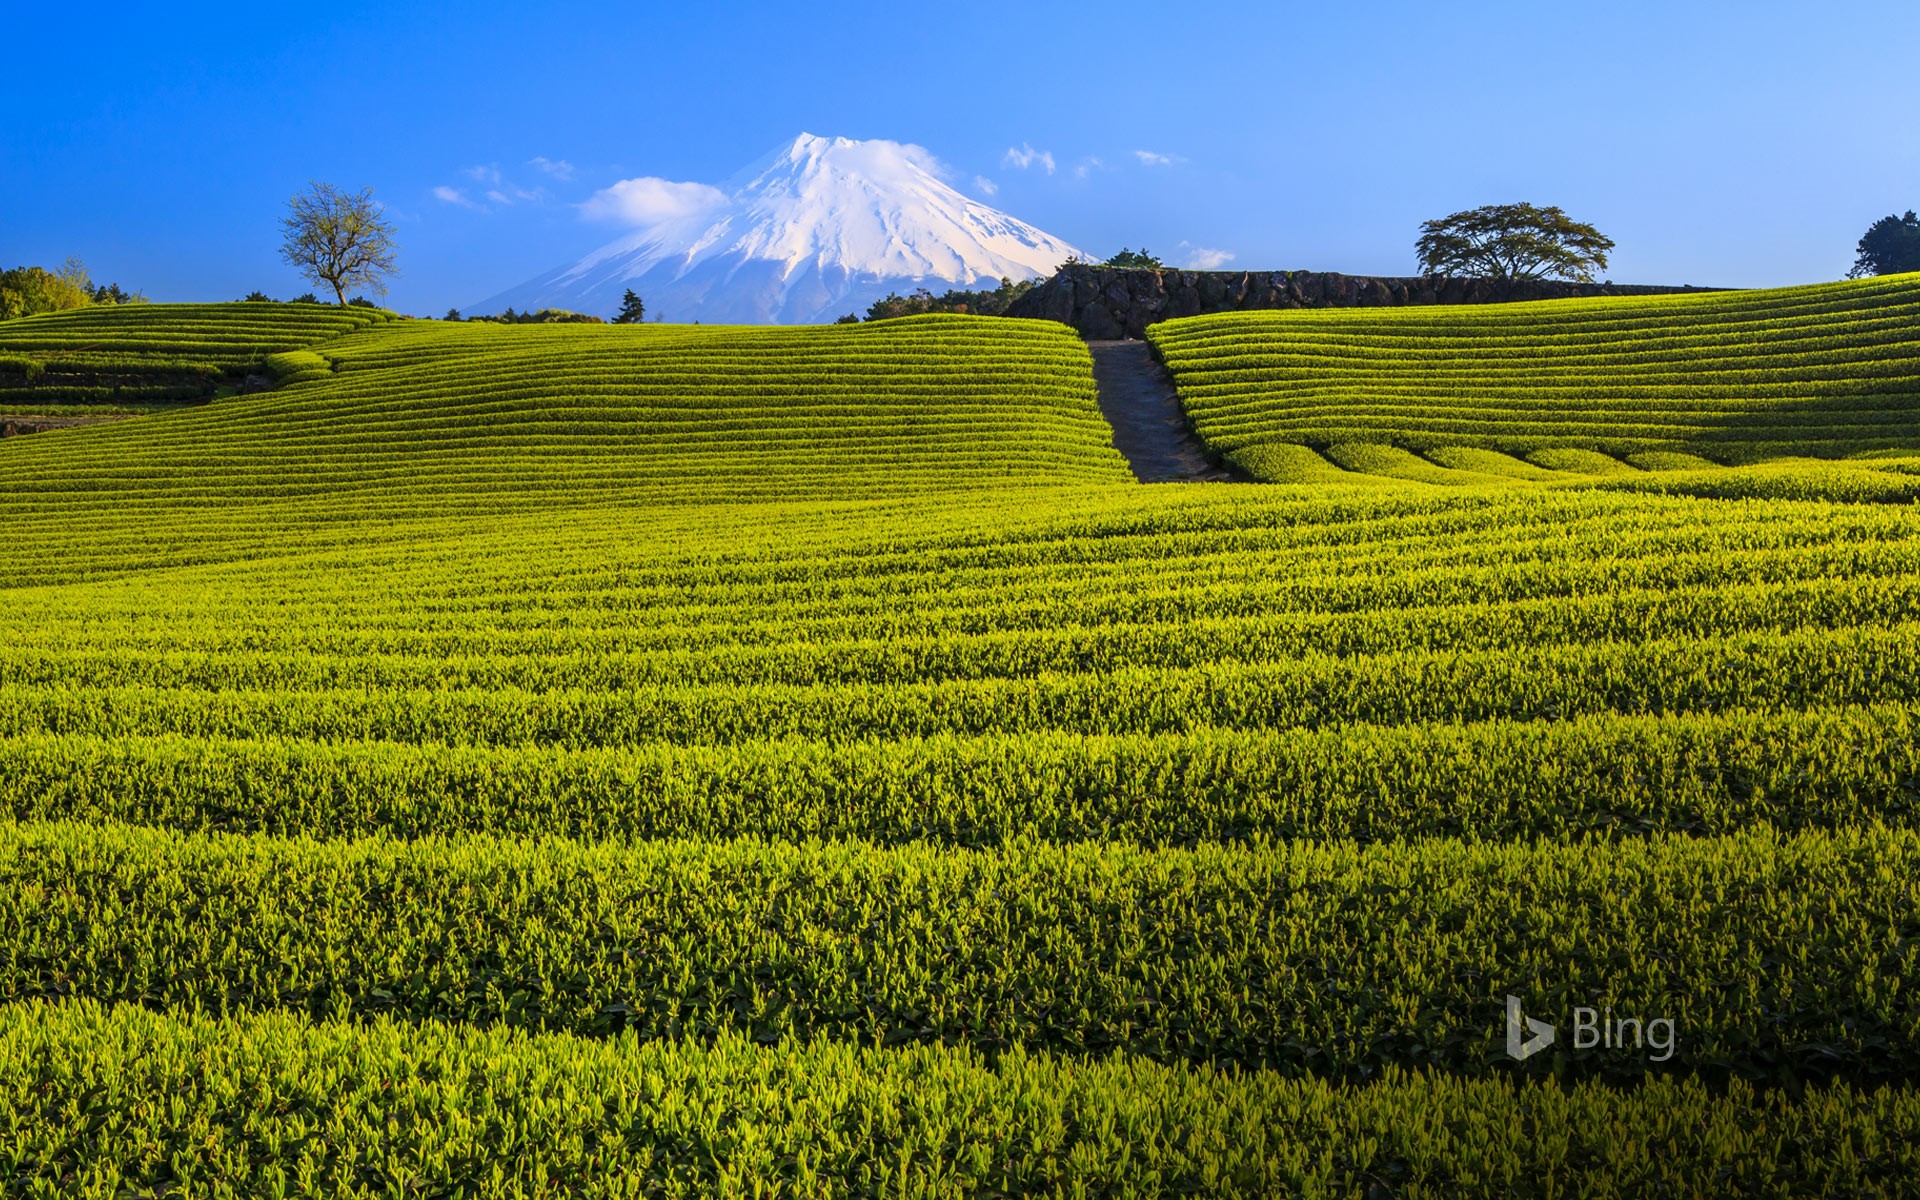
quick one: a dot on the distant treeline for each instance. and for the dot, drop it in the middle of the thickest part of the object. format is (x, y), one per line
(25, 291)
(987, 303)
(545, 316)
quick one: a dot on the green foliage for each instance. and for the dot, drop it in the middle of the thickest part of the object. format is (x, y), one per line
(546, 316)
(771, 692)
(1890, 246)
(1512, 242)
(1728, 377)
(339, 239)
(140, 354)
(1607, 773)
(633, 310)
(987, 302)
(28, 291)
(257, 297)
(266, 1106)
(1140, 259)
(472, 417)
(297, 366)
(1344, 960)
(112, 293)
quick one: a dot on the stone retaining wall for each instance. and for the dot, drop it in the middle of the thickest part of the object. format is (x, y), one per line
(1108, 302)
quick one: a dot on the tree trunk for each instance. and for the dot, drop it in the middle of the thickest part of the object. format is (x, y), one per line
(339, 297)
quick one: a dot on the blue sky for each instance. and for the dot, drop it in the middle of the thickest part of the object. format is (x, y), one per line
(1741, 144)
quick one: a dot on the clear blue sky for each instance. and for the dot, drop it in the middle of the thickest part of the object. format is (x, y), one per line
(1718, 143)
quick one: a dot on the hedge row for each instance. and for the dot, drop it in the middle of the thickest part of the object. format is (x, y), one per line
(1827, 370)
(1699, 773)
(101, 1103)
(1775, 956)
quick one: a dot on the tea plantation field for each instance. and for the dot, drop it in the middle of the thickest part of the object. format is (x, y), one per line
(639, 761)
(1617, 386)
(142, 355)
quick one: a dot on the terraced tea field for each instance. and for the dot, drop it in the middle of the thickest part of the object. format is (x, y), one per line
(516, 760)
(1668, 383)
(133, 357)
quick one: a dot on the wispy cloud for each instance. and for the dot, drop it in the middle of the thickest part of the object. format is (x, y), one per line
(1205, 258)
(559, 168)
(1087, 166)
(649, 200)
(985, 186)
(498, 190)
(1153, 159)
(1025, 156)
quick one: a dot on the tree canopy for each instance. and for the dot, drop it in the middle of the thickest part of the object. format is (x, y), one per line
(986, 302)
(1139, 259)
(1512, 242)
(1890, 246)
(633, 310)
(546, 316)
(339, 239)
(25, 291)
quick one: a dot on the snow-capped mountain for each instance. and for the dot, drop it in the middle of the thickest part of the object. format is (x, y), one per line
(819, 228)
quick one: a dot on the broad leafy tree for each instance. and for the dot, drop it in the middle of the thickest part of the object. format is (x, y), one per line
(25, 291)
(339, 239)
(1512, 242)
(1891, 245)
(1138, 259)
(633, 310)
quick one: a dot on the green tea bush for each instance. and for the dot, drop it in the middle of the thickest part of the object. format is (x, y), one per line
(1776, 957)
(103, 1103)
(674, 689)
(1604, 774)
(160, 352)
(1725, 377)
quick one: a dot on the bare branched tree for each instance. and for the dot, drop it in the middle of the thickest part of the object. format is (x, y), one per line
(338, 238)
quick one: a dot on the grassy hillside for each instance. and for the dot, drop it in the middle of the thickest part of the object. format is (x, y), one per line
(536, 720)
(144, 354)
(1583, 386)
(417, 421)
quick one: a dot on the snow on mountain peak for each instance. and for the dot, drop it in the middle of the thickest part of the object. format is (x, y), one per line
(819, 227)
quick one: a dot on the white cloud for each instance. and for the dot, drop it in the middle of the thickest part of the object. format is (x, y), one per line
(1088, 166)
(498, 191)
(1026, 156)
(1205, 258)
(649, 200)
(985, 186)
(559, 168)
(1151, 159)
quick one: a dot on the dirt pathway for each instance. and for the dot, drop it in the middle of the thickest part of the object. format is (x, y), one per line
(1149, 426)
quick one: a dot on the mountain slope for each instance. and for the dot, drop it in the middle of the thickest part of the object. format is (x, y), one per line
(819, 228)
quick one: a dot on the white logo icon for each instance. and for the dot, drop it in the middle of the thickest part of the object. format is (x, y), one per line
(1525, 1036)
